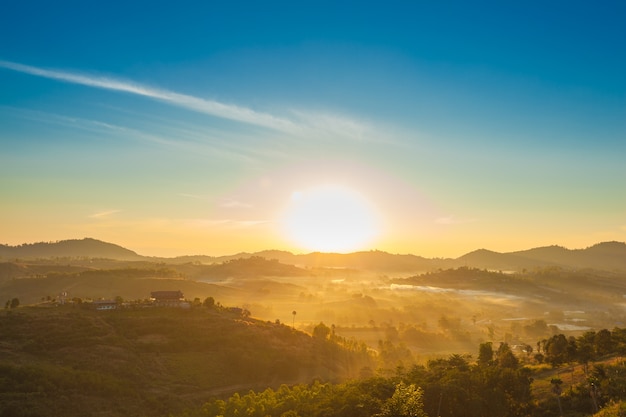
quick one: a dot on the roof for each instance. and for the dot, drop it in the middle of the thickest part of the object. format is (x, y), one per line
(167, 295)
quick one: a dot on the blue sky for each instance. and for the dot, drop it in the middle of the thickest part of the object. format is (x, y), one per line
(186, 128)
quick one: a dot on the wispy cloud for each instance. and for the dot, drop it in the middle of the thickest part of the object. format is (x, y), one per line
(226, 223)
(103, 214)
(210, 107)
(307, 127)
(451, 220)
(195, 196)
(189, 140)
(229, 203)
(333, 125)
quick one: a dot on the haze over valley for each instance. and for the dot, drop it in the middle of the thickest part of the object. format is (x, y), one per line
(431, 305)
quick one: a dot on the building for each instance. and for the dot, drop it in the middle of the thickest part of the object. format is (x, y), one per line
(167, 298)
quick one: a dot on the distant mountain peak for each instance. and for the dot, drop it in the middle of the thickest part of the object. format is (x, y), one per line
(608, 245)
(72, 248)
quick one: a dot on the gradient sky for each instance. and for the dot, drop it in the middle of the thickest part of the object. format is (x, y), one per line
(188, 127)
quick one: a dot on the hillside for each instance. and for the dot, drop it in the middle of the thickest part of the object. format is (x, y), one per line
(150, 361)
(33, 281)
(128, 283)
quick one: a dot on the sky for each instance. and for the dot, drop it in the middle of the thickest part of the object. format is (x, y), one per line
(431, 128)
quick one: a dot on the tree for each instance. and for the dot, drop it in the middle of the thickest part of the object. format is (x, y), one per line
(321, 331)
(603, 342)
(15, 303)
(209, 302)
(485, 353)
(505, 357)
(406, 401)
(556, 389)
(556, 350)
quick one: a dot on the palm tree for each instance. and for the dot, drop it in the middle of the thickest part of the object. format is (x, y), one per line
(293, 324)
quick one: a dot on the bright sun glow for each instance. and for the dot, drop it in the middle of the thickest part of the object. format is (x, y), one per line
(330, 219)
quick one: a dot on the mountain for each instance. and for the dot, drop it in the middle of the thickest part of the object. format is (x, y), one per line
(74, 248)
(605, 256)
(602, 256)
(367, 260)
(486, 259)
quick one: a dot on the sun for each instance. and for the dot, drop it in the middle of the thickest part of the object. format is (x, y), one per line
(330, 218)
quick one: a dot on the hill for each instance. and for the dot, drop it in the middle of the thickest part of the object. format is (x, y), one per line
(128, 283)
(74, 248)
(151, 361)
(252, 267)
(486, 259)
(606, 256)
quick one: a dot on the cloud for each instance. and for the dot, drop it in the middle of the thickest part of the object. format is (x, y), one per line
(450, 220)
(103, 214)
(225, 223)
(228, 203)
(210, 107)
(188, 140)
(332, 124)
(307, 124)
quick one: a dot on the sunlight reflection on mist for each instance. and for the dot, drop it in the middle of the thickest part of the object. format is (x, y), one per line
(440, 290)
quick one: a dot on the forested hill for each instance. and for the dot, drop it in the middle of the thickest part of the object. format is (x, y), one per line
(153, 361)
(607, 256)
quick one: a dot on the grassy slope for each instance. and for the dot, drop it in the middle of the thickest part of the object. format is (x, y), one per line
(149, 362)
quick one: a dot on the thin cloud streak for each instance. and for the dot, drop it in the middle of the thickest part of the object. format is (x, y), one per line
(103, 214)
(200, 105)
(452, 220)
(186, 140)
(229, 223)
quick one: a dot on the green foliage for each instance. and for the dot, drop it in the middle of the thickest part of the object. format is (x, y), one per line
(485, 353)
(505, 357)
(406, 401)
(446, 388)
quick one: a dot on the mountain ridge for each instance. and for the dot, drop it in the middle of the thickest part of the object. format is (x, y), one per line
(609, 255)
